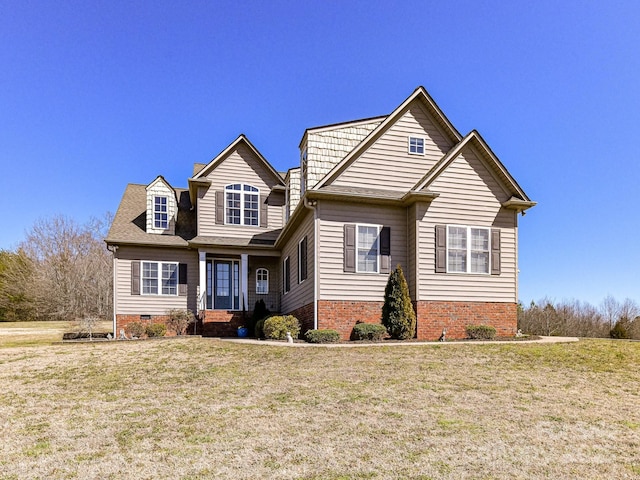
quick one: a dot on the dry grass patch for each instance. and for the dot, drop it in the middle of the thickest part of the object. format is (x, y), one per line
(197, 408)
(24, 334)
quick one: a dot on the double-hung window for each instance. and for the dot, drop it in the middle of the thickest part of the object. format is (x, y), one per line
(468, 249)
(159, 278)
(241, 205)
(367, 248)
(160, 213)
(416, 145)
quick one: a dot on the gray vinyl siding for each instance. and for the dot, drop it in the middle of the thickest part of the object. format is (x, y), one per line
(240, 166)
(271, 299)
(411, 251)
(387, 164)
(334, 283)
(153, 304)
(469, 195)
(300, 294)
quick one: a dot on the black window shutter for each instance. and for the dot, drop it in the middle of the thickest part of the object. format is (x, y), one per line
(302, 258)
(385, 250)
(495, 251)
(264, 209)
(441, 249)
(220, 208)
(182, 279)
(349, 247)
(287, 275)
(135, 277)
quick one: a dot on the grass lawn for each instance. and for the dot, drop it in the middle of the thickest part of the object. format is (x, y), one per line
(199, 408)
(22, 334)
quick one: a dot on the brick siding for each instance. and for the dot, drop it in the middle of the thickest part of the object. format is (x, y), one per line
(432, 317)
(305, 316)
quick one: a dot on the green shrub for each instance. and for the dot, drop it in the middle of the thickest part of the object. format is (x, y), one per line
(322, 336)
(259, 330)
(277, 326)
(480, 332)
(156, 330)
(134, 329)
(180, 319)
(398, 315)
(260, 312)
(369, 331)
(620, 330)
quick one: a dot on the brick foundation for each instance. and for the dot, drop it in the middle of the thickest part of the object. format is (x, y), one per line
(342, 315)
(123, 320)
(305, 316)
(432, 317)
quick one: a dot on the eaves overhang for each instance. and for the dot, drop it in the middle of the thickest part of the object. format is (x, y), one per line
(518, 204)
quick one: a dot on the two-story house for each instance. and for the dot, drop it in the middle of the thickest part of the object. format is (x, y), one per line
(320, 240)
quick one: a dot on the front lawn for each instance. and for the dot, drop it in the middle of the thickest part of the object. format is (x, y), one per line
(199, 408)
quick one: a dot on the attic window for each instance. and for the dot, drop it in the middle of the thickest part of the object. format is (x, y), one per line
(416, 145)
(160, 214)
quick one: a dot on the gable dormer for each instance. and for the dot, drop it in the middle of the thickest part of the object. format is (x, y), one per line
(162, 207)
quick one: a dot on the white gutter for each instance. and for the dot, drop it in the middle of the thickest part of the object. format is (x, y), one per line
(112, 249)
(313, 205)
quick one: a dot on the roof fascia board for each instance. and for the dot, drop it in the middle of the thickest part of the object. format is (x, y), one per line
(419, 94)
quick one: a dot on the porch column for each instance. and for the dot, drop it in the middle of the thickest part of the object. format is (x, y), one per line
(244, 275)
(202, 285)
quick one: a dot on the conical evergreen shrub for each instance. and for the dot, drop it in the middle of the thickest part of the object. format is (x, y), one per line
(398, 315)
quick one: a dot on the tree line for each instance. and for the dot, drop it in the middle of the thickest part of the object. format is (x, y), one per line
(61, 271)
(612, 318)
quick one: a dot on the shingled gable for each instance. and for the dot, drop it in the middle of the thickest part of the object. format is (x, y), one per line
(518, 201)
(419, 95)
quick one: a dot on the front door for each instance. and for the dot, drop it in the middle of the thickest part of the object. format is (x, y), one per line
(226, 284)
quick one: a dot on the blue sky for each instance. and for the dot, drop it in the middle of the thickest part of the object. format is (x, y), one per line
(94, 95)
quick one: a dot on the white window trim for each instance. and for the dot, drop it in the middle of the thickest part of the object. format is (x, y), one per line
(468, 228)
(166, 212)
(242, 194)
(286, 262)
(409, 145)
(379, 227)
(159, 279)
(267, 280)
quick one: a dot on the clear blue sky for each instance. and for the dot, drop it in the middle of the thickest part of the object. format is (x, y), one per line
(94, 95)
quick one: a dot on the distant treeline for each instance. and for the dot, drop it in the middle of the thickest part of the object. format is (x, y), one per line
(61, 271)
(611, 318)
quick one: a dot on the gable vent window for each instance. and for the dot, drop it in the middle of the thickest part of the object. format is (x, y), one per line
(416, 145)
(160, 213)
(241, 205)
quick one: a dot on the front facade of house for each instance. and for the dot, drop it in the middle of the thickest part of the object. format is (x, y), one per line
(320, 240)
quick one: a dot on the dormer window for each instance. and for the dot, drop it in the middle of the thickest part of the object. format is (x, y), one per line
(241, 205)
(416, 145)
(160, 213)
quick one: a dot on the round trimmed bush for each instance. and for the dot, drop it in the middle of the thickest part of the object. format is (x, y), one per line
(156, 330)
(322, 336)
(134, 329)
(481, 332)
(374, 332)
(277, 326)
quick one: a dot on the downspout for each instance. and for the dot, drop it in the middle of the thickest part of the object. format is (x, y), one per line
(313, 205)
(112, 249)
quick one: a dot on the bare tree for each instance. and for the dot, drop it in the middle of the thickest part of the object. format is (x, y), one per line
(72, 268)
